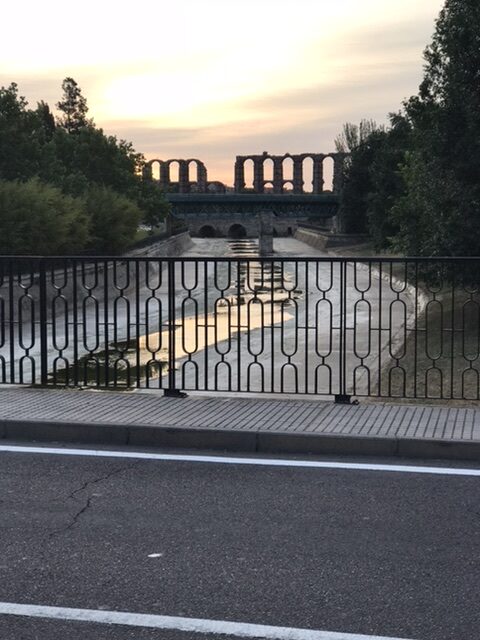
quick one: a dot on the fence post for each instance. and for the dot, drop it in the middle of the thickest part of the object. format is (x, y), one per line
(43, 325)
(343, 397)
(172, 391)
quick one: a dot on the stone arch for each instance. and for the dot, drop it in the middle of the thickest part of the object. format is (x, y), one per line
(268, 167)
(207, 231)
(307, 173)
(328, 166)
(215, 187)
(287, 165)
(154, 169)
(237, 231)
(248, 171)
(193, 172)
(196, 175)
(173, 170)
(288, 186)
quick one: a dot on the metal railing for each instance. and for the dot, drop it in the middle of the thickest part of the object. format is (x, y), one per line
(342, 327)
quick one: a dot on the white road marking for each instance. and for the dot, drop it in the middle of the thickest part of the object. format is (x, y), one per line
(262, 462)
(192, 625)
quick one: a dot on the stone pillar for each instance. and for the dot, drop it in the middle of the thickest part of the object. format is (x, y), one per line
(317, 175)
(168, 224)
(297, 174)
(277, 175)
(183, 177)
(202, 179)
(265, 233)
(258, 178)
(338, 160)
(147, 173)
(239, 175)
(164, 175)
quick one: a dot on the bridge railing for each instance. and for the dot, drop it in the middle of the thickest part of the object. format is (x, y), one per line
(407, 328)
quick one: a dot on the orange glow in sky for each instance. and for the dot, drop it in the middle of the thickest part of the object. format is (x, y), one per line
(217, 78)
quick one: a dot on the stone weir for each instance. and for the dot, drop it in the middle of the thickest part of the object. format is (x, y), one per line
(236, 215)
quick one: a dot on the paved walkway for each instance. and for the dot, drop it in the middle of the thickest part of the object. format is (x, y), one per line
(239, 424)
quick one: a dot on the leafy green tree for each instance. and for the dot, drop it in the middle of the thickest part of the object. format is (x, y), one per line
(387, 181)
(73, 106)
(45, 120)
(114, 220)
(152, 202)
(362, 142)
(39, 219)
(372, 180)
(20, 142)
(440, 211)
(80, 160)
(353, 135)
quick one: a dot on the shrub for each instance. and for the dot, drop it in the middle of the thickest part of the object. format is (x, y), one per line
(114, 220)
(37, 218)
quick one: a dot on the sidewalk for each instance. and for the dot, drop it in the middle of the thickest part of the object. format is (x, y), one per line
(263, 425)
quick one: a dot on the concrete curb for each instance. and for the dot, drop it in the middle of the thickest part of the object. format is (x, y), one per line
(236, 440)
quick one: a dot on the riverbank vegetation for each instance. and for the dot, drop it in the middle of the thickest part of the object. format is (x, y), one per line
(414, 185)
(66, 186)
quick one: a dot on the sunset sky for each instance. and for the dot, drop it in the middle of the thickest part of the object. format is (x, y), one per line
(216, 78)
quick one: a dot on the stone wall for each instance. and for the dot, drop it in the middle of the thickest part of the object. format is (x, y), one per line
(173, 246)
(324, 240)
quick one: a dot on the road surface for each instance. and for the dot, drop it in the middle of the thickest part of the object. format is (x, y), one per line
(335, 549)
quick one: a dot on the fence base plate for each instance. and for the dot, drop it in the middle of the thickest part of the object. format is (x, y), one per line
(174, 393)
(342, 398)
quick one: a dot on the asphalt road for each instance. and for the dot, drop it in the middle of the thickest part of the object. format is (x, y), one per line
(355, 551)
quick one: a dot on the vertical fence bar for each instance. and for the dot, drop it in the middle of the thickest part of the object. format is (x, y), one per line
(75, 365)
(239, 327)
(342, 397)
(306, 324)
(380, 330)
(105, 327)
(452, 338)
(415, 356)
(206, 384)
(11, 321)
(138, 380)
(43, 324)
(172, 391)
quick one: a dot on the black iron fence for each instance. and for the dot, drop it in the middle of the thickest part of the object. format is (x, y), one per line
(407, 328)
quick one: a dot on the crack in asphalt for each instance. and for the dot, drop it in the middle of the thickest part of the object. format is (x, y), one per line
(88, 503)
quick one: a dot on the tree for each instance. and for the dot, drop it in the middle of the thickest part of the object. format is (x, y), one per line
(78, 159)
(39, 219)
(73, 106)
(440, 211)
(361, 141)
(20, 142)
(387, 181)
(152, 202)
(46, 121)
(353, 135)
(114, 220)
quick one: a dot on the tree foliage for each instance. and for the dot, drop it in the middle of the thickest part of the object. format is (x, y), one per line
(415, 186)
(114, 220)
(354, 135)
(440, 211)
(78, 159)
(372, 180)
(73, 107)
(39, 219)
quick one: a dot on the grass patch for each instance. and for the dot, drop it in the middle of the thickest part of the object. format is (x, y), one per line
(114, 367)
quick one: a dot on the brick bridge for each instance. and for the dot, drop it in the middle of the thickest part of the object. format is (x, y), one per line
(211, 209)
